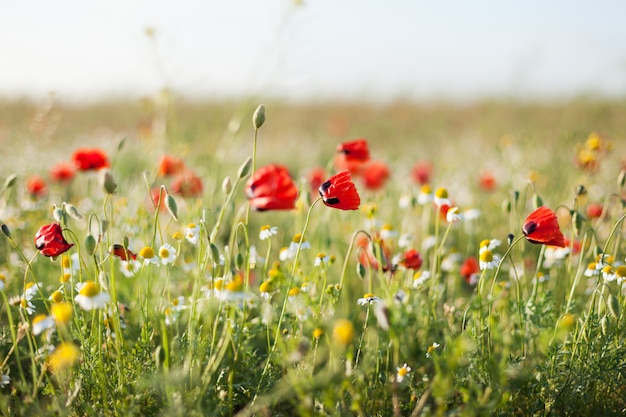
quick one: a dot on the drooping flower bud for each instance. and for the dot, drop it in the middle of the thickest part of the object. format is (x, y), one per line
(259, 117)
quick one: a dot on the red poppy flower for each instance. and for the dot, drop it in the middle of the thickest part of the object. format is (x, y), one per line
(171, 166)
(367, 256)
(470, 270)
(422, 171)
(355, 150)
(542, 227)
(90, 159)
(187, 184)
(594, 210)
(411, 259)
(62, 172)
(340, 192)
(50, 241)
(153, 201)
(36, 186)
(271, 188)
(123, 253)
(487, 181)
(375, 175)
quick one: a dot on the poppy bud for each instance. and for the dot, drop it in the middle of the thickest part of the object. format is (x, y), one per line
(360, 270)
(72, 211)
(577, 222)
(5, 230)
(58, 214)
(244, 169)
(227, 186)
(171, 206)
(239, 260)
(109, 183)
(605, 325)
(537, 201)
(215, 253)
(90, 244)
(506, 205)
(259, 117)
(621, 178)
(104, 226)
(10, 181)
(613, 304)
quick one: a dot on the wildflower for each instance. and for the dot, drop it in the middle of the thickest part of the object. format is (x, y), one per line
(295, 242)
(425, 195)
(40, 323)
(375, 175)
(170, 165)
(620, 274)
(315, 178)
(343, 332)
(63, 356)
(62, 172)
(594, 210)
(441, 197)
(431, 349)
(340, 192)
(487, 260)
(187, 184)
(90, 159)
(36, 186)
(368, 299)
(402, 372)
(541, 278)
(405, 240)
(61, 312)
(608, 273)
(267, 231)
(121, 252)
(422, 172)
(321, 259)
(541, 227)
(420, 278)
(71, 265)
(406, 201)
(148, 255)
(470, 270)
(90, 297)
(266, 289)
(411, 259)
(49, 240)
(357, 150)
(167, 253)
(318, 332)
(487, 181)
(130, 268)
(56, 297)
(192, 233)
(387, 232)
(2, 281)
(453, 215)
(488, 244)
(271, 188)
(285, 254)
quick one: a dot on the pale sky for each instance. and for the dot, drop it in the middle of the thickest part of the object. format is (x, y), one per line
(319, 49)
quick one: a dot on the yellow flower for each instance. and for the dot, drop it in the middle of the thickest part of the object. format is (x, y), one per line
(318, 332)
(64, 356)
(343, 332)
(61, 312)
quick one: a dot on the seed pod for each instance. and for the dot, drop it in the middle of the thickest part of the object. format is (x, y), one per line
(109, 184)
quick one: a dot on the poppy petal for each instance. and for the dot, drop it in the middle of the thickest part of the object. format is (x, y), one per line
(542, 227)
(340, 192)
(271, 188)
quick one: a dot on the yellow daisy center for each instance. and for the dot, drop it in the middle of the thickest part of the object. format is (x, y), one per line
(90, 289)
(147, 252)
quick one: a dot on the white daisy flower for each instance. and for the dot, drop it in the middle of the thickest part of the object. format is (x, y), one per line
(267, 232)
(130, 267)
(192, 233)
(90, 297)
(167, 254)
(402, 372)
(368, 299)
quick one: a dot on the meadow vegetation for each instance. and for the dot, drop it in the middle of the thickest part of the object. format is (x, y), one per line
(178, 258)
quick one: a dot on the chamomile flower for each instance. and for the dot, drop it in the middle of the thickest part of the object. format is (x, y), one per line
(295, 242)
(387, 232)
(441, 197)
(425, 195)
(41, 322)
(368, 299)
(2, 281)
(148, 256)
(192, 233)
(90, 296)
(488, 260)
(130, 267)
(402, 372)
(4, 380)
(431, 349)
(608, 273)
(406, 201)
(489, 244)
(454, 215)
(620, 274)
(420, 278)
(321, 259)
(167, 254)
(70, 264)
(267, 231)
